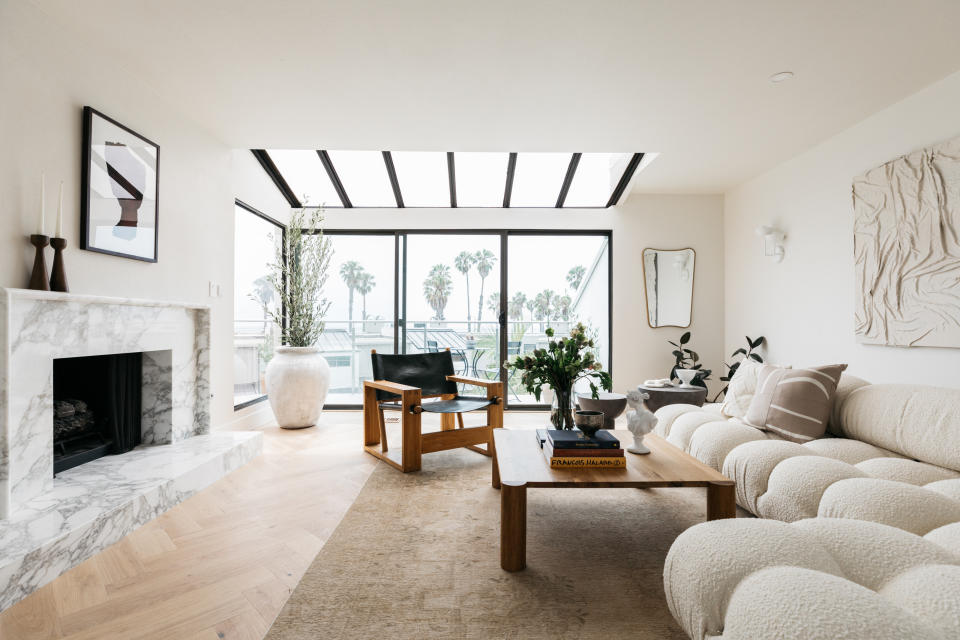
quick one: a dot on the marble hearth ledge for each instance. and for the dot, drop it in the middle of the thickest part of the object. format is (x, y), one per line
(38, 327)
(96, 504)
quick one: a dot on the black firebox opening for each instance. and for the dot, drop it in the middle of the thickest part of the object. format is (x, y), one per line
(96, 407)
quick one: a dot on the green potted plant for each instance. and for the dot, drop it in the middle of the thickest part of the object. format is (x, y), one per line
(298, 376)
(560, 366)
(687, 358)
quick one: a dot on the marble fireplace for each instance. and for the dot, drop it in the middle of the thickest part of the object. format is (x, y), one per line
(49, 524)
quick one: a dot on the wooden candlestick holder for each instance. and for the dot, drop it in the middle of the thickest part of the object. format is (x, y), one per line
(58, 277)
(38, 279)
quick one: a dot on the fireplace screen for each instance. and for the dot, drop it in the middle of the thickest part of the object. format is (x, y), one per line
(96, 407)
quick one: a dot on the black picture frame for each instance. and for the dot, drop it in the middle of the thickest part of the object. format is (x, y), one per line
(135, 222)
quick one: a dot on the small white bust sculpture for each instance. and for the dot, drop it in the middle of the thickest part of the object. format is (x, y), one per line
(640, 421)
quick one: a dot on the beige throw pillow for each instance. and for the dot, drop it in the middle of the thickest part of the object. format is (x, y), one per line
(794, 403)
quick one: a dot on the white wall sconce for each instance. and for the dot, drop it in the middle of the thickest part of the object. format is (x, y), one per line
(772, 242)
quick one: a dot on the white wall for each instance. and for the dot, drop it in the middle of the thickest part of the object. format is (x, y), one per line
(48, 74)
(661, 221)
(805, 305)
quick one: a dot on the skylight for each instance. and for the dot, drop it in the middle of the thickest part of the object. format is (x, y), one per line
(306, 177)
(481, 178)
(539, 179)
(422, 177)
(384, 179)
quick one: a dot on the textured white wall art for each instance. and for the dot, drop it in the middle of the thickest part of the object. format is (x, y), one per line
(907, 249)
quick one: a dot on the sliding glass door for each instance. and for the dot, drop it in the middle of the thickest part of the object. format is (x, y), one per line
(555, 281)
(361, 318)
(453, 299)
(486, 295)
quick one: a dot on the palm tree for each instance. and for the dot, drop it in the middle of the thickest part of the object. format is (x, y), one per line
(265, 293)
(365, 284)
(493, 302)
(562, 308)
(485, 261)
(515, 307)
(575, 276)
(350, 273)
(437, 288)
(530, 305)
(544, 305)
(464, 262)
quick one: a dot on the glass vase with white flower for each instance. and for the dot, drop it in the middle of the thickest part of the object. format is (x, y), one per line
(560, 366)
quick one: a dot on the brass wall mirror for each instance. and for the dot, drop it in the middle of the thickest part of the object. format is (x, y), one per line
(668, 279)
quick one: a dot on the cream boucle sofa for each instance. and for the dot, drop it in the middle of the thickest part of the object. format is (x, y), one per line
(873, 550)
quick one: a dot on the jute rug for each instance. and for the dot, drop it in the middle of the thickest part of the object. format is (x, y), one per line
(417, 556)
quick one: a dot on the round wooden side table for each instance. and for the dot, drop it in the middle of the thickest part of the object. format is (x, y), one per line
(662, 396)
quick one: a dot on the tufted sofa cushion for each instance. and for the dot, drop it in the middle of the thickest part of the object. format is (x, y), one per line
(842, 479)
(915, 421)
(819, 578)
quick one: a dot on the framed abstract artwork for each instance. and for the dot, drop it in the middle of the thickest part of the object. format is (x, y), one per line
(120, 182)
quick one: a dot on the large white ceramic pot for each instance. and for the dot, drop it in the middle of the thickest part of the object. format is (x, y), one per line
(297, 383)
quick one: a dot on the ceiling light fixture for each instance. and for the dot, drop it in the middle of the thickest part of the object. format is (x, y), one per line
(781, 76)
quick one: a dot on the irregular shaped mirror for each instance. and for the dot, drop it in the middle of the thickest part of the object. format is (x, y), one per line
(668, 277)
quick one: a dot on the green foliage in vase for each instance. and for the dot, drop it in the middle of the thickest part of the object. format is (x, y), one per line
(561, 364)
(687, 358)
(743, 353)
(298, 274)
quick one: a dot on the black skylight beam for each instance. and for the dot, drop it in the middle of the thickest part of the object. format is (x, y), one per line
(625, 179)
(392, 173)
(334, 178)
(452, 177)
(271, 169)
(568, 179)
(508, 190)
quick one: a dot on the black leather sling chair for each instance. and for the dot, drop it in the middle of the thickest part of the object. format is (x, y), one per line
(401, 383)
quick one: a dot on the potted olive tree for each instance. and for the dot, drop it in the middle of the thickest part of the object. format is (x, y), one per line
(298, 376)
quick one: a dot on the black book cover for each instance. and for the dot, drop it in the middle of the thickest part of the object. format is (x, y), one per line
(576, 439)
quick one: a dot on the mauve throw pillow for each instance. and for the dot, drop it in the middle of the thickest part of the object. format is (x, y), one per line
(794, 403)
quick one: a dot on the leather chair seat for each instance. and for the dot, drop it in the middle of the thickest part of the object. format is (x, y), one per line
(460, 404)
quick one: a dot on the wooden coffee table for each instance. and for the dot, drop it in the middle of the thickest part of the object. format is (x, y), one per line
(519, 463)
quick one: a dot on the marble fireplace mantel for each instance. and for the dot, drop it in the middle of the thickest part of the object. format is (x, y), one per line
(37, 327)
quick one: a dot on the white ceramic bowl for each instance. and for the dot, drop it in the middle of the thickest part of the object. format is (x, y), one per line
(686, 377)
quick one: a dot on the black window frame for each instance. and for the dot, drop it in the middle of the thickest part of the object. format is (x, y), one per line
(283, 239)
(276, 176)
(400, 264)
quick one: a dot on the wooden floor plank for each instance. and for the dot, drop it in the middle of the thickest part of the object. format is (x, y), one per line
(221, 564)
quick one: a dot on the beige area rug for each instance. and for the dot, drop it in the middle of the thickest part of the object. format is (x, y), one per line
(417, 556)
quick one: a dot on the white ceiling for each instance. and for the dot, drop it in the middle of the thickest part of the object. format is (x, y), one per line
(685, 78)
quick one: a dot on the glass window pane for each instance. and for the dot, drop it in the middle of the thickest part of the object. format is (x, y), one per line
(305, 174)
(481, 178)
(556, 282)
(596, 176)
(254, 334)
(538, 179)
(360, 318)
(364, 178)
(453, 300)
(423, 178)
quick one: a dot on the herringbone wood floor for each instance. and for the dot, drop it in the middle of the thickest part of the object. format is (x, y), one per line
(221, 564)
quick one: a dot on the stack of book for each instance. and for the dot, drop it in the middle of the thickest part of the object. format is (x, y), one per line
(575, 450)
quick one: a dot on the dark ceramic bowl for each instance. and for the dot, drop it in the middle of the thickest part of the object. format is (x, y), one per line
(588, 421)
(611, 404)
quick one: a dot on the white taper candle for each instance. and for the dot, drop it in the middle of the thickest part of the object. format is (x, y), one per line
(42, 203)
(60, 213)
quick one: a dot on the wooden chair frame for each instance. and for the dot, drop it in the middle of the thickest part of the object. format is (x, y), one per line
(414, 443)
